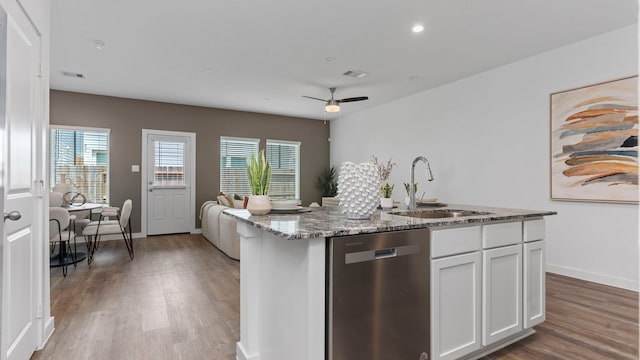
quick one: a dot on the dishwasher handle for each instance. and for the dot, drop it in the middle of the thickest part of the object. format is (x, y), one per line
(380, 254)
(385, 253)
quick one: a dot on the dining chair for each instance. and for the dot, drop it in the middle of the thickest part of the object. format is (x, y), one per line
(55, 199)
(60, 233)
(122, 226)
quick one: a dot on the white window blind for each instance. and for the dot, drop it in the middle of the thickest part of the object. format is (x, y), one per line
(235, 154)
(169, 164)
(80, 158)
(284, 158)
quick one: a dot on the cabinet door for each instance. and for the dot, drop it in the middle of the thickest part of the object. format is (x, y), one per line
(455, 306)
(534, 283)
(502, 293)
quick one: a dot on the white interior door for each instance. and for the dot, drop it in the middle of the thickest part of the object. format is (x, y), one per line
(21, 168)
(169, 183)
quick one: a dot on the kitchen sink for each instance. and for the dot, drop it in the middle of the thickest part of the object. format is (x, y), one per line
(440, 214)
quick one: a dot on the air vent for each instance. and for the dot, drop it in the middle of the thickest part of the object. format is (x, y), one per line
(72, 74)
(356, 74)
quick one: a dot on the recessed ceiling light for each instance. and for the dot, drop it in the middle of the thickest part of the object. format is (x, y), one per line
(417, 28)
(268, 98)
(414, 77)
(209, 70)
(330, 59)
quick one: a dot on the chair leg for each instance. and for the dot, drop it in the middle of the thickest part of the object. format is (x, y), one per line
(128, 243)
(64, 251)
(75, 252)
(91, 248)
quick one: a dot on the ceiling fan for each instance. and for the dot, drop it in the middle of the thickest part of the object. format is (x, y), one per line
(333, 105)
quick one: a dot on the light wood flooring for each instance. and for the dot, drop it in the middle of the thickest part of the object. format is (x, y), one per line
(179, 299)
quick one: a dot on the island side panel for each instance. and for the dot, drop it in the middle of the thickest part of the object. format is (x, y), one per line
(248, 348)
(282, 293)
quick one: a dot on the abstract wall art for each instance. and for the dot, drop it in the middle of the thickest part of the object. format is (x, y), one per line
(594, 142)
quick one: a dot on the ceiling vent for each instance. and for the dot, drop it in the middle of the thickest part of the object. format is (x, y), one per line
(72, 74)
(356, 74)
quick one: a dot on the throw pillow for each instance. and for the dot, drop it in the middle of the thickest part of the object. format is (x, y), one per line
(224, 201)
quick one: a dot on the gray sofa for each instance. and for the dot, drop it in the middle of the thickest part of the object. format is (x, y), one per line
(220, 229)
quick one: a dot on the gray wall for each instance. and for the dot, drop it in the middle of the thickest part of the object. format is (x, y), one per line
(127, 117)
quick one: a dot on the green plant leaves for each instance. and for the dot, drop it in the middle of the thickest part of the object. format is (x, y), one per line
(259, 173)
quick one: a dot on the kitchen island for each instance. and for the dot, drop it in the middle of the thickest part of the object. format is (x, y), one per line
(491, 264)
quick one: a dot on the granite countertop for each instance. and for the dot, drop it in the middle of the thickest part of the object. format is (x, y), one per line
(328, 222)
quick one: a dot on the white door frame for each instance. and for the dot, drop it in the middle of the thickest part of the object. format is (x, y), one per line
(192, 177)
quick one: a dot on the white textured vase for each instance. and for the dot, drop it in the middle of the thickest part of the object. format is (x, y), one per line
(259, 205)
(358, 189)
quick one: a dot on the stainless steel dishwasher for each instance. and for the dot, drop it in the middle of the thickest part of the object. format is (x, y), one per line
(378, 296)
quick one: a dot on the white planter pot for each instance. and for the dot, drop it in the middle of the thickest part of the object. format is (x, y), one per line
(259, 204)
(386, 203)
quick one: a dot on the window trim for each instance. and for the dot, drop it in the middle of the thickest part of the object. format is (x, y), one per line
(245, 140)
(52, 127)
(298, 145)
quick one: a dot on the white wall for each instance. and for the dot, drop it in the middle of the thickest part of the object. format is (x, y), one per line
(487, 138)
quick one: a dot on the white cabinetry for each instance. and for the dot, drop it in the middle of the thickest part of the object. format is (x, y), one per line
(455, 318)
(534, 273)
(502, 293)
(455, 292)
(501, 281)
(487, 288)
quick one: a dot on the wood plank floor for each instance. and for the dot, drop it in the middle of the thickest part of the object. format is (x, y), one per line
(179, 299)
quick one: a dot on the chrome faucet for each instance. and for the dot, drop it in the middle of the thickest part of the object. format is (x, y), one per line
(412, 189)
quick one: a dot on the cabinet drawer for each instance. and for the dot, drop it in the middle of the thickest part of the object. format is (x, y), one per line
(495, 235)
(455, 241)
(533, 230)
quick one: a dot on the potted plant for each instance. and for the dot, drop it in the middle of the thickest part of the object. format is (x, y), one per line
(259, 173)
(407, 189)
(384, 170)
(328, 184)
(386, 202)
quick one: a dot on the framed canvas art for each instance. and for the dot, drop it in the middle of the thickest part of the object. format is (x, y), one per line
(594, 142)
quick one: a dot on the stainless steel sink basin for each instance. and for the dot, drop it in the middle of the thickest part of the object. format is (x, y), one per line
(440, 214)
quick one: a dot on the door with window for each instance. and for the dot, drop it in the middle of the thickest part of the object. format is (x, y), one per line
(170, 180)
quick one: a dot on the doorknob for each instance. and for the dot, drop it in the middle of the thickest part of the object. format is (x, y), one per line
(12, 215)
(150, 189)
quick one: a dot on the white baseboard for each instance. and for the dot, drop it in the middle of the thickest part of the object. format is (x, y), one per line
(138, 235)
(597, 278)
(48, 331)
(241, 353)
(119, 237)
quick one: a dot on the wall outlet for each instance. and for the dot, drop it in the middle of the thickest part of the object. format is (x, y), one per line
(135, 168)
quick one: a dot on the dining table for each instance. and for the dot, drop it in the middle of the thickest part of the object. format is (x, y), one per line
(59, 259)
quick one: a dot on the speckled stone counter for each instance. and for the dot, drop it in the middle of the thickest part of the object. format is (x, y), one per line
(328, 222)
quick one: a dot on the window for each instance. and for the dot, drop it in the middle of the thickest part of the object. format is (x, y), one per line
(235, 154)
(284, 158)
(169, 164)
(80, 158)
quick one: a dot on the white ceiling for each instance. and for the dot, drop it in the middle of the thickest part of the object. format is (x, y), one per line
(262, 56)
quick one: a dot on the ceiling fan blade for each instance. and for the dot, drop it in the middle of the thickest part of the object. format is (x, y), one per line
(360, 98)
(314, 98)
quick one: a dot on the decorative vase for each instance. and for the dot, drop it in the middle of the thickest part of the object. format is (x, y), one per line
(259, 204)
(359, 190)
(386, 203)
